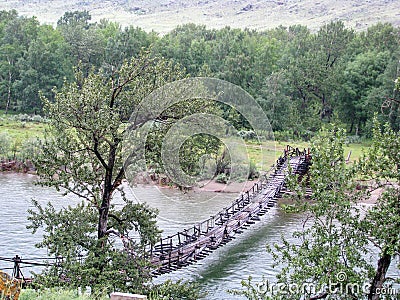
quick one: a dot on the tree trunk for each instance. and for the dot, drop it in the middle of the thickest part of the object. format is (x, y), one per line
(107, 194)
(9, 89)
(380, 276)
(105, 207)
(103, 218)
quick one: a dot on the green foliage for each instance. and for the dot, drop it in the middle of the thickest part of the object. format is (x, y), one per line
(102, 245)
(338, 237)
(329, 243)
(196, 151)
(361, 80)
(381, 165)
(56, 294)
(253, 173)
(247, 134)
(5, 144)
(381, 162)
(222, 178)
(19, 134)
(300, 78)
(71, 233)
(74, 18)
(169, 290)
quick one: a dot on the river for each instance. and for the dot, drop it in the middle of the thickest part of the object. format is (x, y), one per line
(222, 270)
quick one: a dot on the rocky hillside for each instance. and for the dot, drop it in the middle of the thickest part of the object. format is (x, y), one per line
(163, 15)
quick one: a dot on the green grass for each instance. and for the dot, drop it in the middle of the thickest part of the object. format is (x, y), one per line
(20, 130)
(58, 294)
(263, 155)
(356, 150)
(266, 154)
(19, 134)
(55, 294)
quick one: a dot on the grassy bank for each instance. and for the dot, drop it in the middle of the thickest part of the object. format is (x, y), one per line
(18, 134)
(56, 294)
(22, 126)
(267, 153)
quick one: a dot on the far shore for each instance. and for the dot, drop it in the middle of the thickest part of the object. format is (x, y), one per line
(211, 186)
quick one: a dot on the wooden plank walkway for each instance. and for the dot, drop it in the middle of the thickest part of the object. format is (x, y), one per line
(195, 243)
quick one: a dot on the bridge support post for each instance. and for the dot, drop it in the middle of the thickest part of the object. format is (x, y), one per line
(17, 269)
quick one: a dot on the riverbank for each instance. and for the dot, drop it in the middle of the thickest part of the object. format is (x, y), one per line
(7, 165)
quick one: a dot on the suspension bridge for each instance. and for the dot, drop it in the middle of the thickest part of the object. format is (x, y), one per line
(195, 243)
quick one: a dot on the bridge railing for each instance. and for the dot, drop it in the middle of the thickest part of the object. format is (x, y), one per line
(193, 233)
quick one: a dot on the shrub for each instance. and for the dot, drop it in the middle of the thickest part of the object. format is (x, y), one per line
(5, 144)
(37, 119)
(221, 178)
(247, 134)
(23, 117)
(29, 148)
(353, 139)
(285, 135)
(56, 294)
(253, 172)
(175, 290)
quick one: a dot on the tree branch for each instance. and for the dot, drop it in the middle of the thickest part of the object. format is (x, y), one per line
(97, 153)
(117, 90)
(113, 231)
(120, 221)
(118, 179)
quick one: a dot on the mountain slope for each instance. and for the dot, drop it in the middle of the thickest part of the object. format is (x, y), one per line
(164, 15)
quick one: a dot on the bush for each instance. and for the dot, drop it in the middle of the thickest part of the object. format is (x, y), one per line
(23, 118)
(5, 144)
(221, 178)
(26, 118)
(353, 139)
(286, 136)
(56, 294)
(240, 172)
(29, 148)
(175, 290)
(37, 119)
(253, 172)
(247, 134)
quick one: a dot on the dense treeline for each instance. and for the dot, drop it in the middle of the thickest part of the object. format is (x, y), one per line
(301, 79)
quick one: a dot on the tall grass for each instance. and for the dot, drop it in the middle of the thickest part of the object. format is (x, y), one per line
(19, 134)
(57, 294)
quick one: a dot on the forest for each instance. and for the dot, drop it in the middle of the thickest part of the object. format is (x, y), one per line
(301, 79)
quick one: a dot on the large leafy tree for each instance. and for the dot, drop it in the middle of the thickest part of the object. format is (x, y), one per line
(361, 79)
(121, 44)
(16, 36)
(43, 67)
(344, 250)
(329, 244)
(82, 155)
(315, 67)
(84, 43)
(381, 167)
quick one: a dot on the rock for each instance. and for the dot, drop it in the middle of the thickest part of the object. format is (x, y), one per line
(248, 7)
